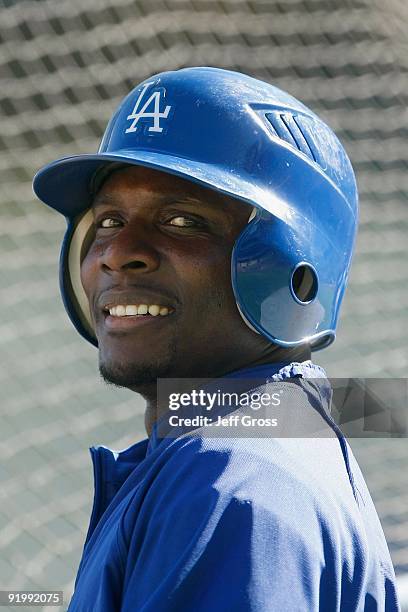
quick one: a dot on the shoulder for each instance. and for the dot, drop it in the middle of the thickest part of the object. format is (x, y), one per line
(264, 488)
(285, 477)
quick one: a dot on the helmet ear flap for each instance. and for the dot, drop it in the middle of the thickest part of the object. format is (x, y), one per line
(278, 292)
(78, 237)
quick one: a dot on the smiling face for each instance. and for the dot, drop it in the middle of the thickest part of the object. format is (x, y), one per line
(163, 245)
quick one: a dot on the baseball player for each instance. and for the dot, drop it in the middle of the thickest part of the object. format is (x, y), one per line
(211, 237)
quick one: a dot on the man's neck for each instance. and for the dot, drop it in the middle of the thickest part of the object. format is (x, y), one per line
(279, 355)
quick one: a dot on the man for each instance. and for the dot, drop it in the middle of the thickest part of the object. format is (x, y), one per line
(211, 237)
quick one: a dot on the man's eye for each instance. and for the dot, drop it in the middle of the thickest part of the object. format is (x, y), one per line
(181, 221)
(108, 222)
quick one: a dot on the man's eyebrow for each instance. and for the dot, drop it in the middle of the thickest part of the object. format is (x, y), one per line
(193, 201)
(105, 199)
(108, 199)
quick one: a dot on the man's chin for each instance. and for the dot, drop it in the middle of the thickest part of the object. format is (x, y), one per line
(132, 376)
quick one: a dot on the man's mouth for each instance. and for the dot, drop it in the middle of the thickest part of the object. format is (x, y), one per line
(137, 310)
(131, 308)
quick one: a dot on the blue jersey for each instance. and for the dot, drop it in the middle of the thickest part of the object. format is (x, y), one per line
(234, 524)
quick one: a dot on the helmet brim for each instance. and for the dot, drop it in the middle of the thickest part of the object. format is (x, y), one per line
(66, 184)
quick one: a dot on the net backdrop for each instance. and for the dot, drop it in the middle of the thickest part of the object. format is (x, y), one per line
(64, 67)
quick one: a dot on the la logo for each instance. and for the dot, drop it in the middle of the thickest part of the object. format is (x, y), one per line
(156, 115)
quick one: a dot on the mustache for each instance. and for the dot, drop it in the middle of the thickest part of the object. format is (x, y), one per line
(133, 292)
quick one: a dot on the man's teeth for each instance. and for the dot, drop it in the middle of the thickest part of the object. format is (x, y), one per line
(138, 309)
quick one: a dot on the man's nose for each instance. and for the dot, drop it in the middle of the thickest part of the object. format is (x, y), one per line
(131, 248)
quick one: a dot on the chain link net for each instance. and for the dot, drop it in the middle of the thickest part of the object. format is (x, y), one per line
(64, 67)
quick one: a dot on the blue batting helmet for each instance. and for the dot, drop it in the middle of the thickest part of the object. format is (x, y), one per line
(252, 141)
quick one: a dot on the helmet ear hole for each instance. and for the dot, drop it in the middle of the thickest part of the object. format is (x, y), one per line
(304, 283)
